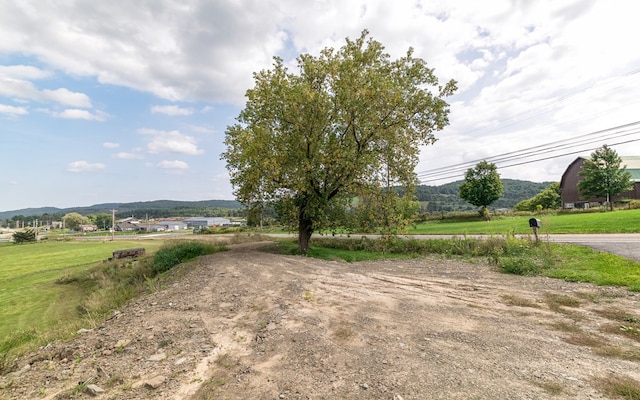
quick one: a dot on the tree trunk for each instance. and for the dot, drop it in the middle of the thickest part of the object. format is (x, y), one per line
(305, 229)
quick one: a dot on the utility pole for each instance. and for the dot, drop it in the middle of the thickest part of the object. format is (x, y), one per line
(113, 224)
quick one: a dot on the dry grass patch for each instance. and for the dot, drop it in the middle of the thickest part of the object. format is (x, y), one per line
(553, 388)
(618, 387)
(630, 331)
(565, 327)
(617, 314)
(344, 333)
(519, 301)
(587, 340)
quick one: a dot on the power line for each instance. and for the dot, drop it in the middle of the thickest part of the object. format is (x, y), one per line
(604, 134)
(456, 170)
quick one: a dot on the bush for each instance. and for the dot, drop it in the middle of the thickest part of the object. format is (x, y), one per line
(178, 252)
(510, 254)
(28, 236)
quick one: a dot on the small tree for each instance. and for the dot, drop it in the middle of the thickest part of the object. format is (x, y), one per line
(27, 236)
(604, 176)
(482, 186)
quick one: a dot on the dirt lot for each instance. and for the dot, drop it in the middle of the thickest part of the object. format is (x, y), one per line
(247, 324)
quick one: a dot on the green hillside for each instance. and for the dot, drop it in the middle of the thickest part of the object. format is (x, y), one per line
(152, 209)
(444, 198)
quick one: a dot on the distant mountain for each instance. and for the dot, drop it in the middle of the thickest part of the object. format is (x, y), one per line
(141, 209)
(444, 198)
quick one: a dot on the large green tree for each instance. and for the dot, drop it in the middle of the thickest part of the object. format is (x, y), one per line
(348, 123)
(482, 186)
(604, 175)
(73, 220)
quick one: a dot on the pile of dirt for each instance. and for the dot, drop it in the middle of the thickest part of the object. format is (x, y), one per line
(247, 324)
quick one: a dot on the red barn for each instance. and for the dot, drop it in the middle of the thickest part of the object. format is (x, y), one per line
(570, 195)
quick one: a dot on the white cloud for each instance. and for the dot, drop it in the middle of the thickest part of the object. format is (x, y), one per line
(71, 113)
(175, 164)
(170, 141)
(84, 166)
(67, 97)
(171, 110)
(128, 156)
(12, 110)
(23, 72)
(110, 145)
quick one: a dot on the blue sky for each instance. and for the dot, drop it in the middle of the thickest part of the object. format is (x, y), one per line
(124, 101)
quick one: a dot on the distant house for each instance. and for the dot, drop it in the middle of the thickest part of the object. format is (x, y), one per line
(173, 225)
(126, 227)
(88, 228)
(203, 223)
(570, 195)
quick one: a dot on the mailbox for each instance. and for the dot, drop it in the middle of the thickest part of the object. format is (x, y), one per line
(535, 223)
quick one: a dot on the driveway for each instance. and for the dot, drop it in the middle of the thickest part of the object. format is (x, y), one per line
(622, 244)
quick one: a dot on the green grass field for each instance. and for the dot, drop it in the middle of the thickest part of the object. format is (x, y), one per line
(29, 297)
(620, 221)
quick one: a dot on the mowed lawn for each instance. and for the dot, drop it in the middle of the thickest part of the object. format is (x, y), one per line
(619, 221)
(29, 297)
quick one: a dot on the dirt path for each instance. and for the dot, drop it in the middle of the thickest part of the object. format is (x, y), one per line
(246, 324)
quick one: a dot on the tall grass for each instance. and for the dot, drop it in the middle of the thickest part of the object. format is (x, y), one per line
(510, 254)
(89, 293)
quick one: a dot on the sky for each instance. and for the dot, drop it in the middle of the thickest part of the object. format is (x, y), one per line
(122, 101)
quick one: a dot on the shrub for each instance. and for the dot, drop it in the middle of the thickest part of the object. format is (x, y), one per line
(28, 236)
(178, 252)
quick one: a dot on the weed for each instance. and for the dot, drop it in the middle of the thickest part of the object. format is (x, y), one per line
(82, 386)
(618, 386)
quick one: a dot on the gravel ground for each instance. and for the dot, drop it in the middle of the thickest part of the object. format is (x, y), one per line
(248, 324)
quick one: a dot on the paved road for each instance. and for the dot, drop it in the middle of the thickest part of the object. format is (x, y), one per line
(622, 244)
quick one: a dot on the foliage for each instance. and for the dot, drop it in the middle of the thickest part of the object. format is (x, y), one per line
(351, 122)
(176, 253)
(604, 176)
(27, 236)
(547, 199)
(445, 198)
(482, 185)
(384, 212)
(73, 221)
(102, 221)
